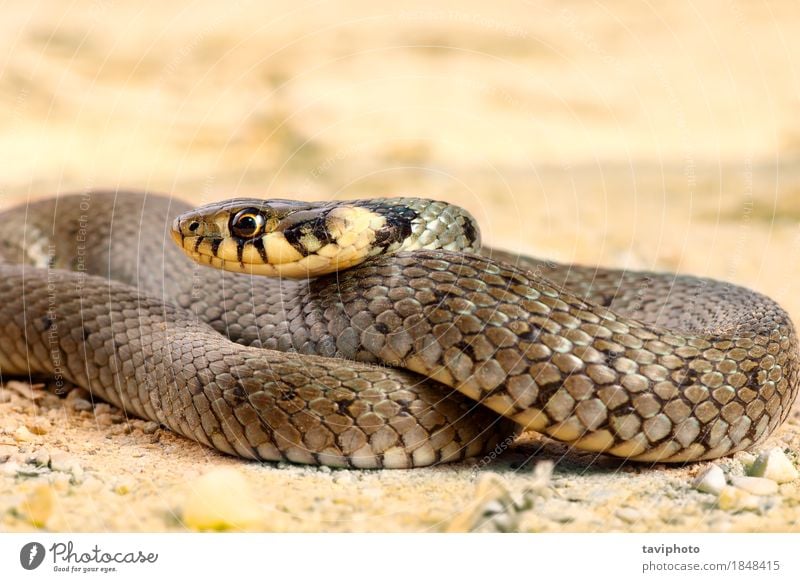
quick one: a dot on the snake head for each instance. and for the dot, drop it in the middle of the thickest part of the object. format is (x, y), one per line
(285, 238)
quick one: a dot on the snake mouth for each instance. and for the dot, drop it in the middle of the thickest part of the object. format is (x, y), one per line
(298, 245)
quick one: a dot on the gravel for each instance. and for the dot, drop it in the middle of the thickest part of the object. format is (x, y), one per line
(23, 435)
(775, 465)
(755, 485)
(711, 480)
(79, 404)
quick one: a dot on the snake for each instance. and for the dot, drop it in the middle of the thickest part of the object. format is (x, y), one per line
(379, 333)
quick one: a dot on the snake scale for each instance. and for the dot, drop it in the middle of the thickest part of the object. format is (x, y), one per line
(421, 348)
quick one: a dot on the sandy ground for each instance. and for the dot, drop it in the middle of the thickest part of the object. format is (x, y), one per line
(621, 134)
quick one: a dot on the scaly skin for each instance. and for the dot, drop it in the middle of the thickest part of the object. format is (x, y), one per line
(643, 366)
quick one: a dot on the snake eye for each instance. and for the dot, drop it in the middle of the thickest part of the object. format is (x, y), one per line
(247, 223)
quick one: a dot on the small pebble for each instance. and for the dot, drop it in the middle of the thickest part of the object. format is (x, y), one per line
(773, 464)
(32, 392)
(755, 485)
(6, 451)
(40, 458)
(27, 470)
(103, 419)
(23, 435)
(493, 507)
(504, 522)
(77, 393)
(149, 427)
(123, 486)
(61, 461)
(343, 477)
(629, 514)
(221, 500)
(542, 474)
(490, 499)
(119, 429)
(733, 498)
(37, 507)
(51, 402)
(81, 405)
(746, 459)
(103, 408)
(9, 468)
(712, 480)
(39, 426)
(5, 396)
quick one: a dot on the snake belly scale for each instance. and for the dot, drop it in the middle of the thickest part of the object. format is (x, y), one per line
(382, 336)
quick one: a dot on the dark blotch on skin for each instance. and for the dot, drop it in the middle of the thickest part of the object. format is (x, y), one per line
(531, 335)
(470, 232)
(315, 227)
(238, 394)
(397, 227)
(319, 229)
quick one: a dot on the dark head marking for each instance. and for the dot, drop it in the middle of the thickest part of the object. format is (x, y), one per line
(258, 244)
(315, 227)
(397, 227)
(469, 231)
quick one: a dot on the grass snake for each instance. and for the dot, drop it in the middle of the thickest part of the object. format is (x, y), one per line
(383, 336)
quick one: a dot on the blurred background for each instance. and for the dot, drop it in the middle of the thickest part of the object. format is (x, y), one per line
(647, 135)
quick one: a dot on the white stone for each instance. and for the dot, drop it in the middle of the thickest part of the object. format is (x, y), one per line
(628, 514)
(773, 464)
(7, 451)
(746, 459)
(23, 435)
(755, 485)
(65, 463)
(712, 480)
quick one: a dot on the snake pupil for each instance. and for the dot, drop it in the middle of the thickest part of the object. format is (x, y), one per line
(247, 223)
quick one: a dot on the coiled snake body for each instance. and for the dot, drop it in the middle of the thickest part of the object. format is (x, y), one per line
(420, 348)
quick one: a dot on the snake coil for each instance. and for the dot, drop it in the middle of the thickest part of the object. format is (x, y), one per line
(419, 348)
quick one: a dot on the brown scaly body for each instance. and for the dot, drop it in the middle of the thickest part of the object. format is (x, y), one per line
(640, 365)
